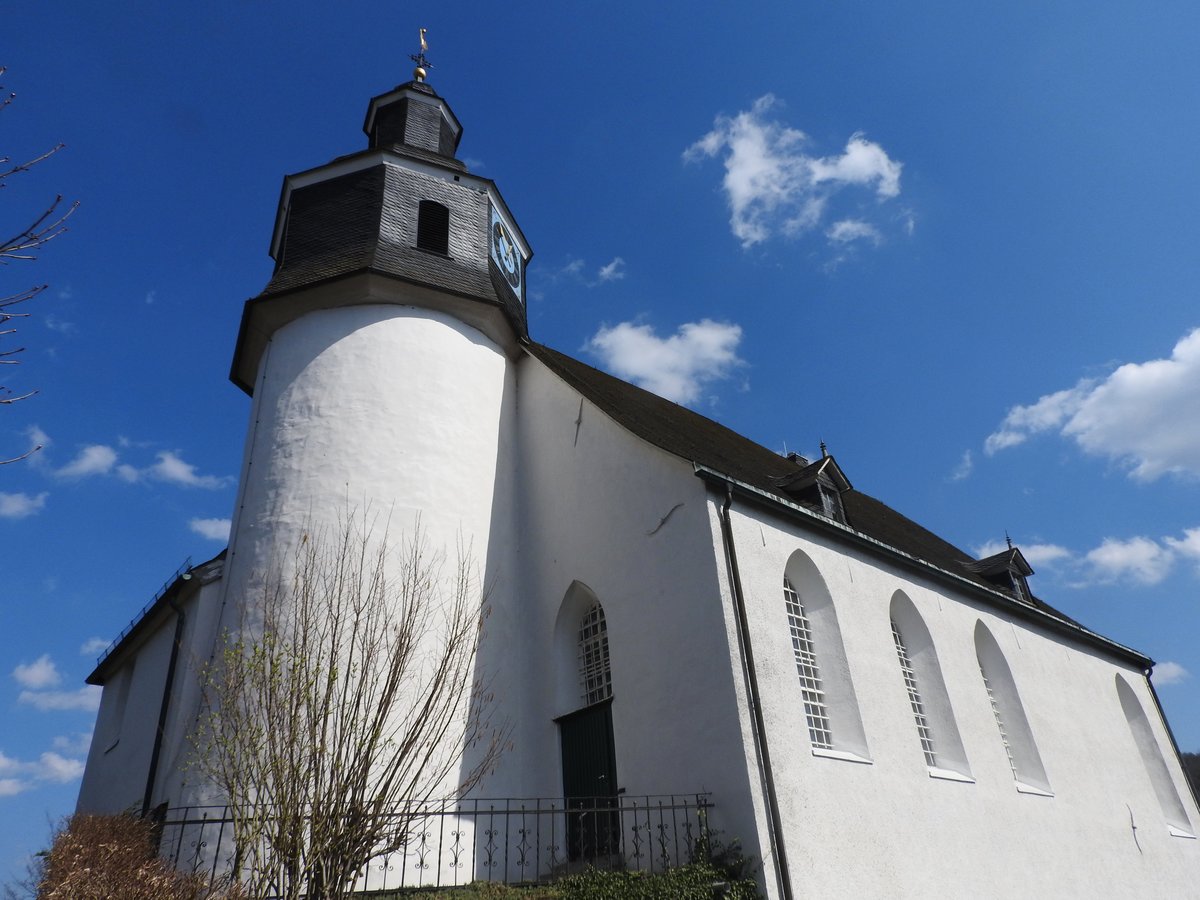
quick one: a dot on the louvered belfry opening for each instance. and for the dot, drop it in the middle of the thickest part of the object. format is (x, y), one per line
(433, 227)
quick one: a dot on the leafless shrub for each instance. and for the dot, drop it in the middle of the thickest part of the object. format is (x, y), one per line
(345, 703)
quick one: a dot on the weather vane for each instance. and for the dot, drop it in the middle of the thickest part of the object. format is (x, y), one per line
(423, 64)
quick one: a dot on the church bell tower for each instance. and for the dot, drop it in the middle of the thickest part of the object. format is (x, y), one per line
(380, 355)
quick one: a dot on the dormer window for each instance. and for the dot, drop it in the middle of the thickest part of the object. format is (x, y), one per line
(818, 486)
(433, 227)
(1008, 570)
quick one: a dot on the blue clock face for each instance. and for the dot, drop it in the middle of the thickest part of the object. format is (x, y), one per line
(505, 252)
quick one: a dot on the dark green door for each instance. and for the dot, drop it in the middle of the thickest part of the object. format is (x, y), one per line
(589, 766)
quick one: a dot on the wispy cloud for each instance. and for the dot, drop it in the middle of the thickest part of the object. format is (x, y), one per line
(965, 467)
(18, 776)
(54, 323)
(676, 367)
(213, 529)
(1145, 416)
(76, 744)
(86, 699)
(1168, 672)
(577, 271)
(774, 185)
(613, 271)
(39, 674)
(19, 506)
(93, 646)
(172, 469)
(848, 230)
(94, 459)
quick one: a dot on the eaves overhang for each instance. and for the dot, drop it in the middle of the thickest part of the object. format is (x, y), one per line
(995, 598)
(263, 315)
(187, 577)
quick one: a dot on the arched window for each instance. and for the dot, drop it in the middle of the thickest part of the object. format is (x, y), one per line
(1015, 733)
(1152, 759)
(433, 227)
(815, 711)
(595, 673)
(826, 691)
(937, 729)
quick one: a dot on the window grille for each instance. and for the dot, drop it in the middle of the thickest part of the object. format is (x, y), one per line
(914, 698)
(433, 227)
(815, 709)
(1012, 764)
(595, 673)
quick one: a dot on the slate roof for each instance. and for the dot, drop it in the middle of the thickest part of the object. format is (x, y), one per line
(694, 437)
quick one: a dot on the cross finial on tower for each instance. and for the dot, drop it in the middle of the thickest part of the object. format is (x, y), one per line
(423, 64)
(824, 450)
(1007, 538)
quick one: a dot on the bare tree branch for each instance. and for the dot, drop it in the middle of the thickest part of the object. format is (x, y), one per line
(344, 704)
(23, 245)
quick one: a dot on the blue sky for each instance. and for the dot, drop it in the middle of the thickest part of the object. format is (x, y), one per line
(957, 243)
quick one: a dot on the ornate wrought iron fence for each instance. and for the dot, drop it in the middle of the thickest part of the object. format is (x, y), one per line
(454, 842)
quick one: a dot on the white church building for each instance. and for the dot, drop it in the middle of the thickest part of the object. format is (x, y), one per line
(676, 611)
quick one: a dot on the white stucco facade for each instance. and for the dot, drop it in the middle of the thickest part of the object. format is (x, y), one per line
(1047, 769)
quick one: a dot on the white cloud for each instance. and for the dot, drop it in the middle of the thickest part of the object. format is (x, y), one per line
(17, 776)
(10, 787)
(964, 468)
(575, 270)
(773, 185)
(614, 271)
(54, 323)
(1145, 416)
(59, 769)
(18, 506)
(1168, 672)
(675, 367)
(76, 744)
(94, 459)
(172, 469)
(37, 437)
(1138, 559)
(848, 230)
(213, 529)
(1045, 554)
(39, 674)
(86, 699)
(94, 646)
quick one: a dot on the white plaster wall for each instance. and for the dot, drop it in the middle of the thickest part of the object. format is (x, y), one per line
(590, 504)
(118, 762)
(399, 410)
(888, 828)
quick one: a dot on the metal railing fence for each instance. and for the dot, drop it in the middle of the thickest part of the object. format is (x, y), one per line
(455, 842)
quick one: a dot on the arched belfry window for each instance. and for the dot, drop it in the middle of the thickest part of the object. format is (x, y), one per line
(1152, 759)
(433, 227)
(826, 690)
(1009, 712)
(937, 729)
(595, 672)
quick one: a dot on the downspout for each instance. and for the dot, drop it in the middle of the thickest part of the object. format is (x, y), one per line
(1162, 717)
(775, 824)
(166, 702)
